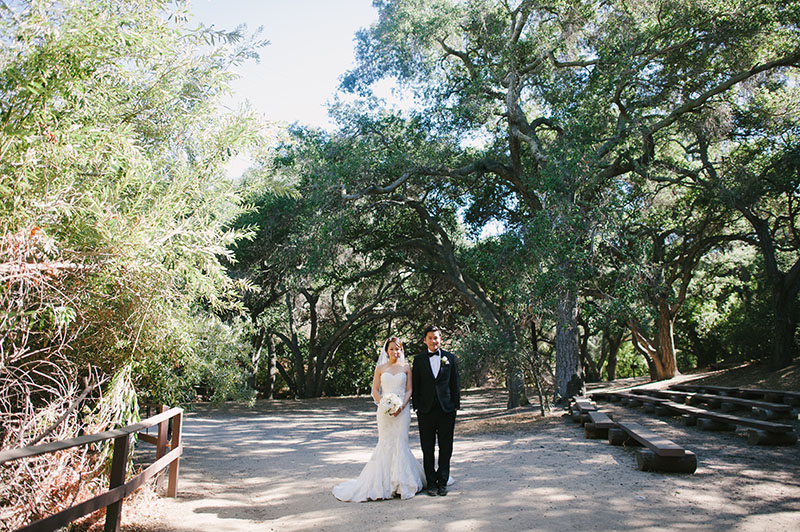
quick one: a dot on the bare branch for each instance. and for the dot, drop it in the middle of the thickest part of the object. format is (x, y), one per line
(463, 56)
(375, 189)
(570, 64)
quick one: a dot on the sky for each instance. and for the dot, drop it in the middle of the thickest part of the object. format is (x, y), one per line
(311, 46)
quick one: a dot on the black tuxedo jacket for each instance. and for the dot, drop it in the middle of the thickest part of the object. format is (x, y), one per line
(425, 389)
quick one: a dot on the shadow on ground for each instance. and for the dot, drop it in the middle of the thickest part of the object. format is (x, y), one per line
(271, 467)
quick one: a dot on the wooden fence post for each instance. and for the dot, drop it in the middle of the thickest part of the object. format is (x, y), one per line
(119, 464)
(172, 487)
(161, 447)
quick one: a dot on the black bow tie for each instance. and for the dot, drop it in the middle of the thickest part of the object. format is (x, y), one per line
(433, 354)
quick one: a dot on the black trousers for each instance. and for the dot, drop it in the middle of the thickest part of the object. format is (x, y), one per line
(433, 426)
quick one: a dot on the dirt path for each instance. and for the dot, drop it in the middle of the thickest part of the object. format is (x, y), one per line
(271, 467)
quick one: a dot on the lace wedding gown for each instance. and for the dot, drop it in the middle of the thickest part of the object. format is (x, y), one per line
(392, 468)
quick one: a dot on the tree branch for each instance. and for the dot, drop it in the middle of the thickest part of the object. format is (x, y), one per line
(570, 64)
(789, 60)
(463, 56)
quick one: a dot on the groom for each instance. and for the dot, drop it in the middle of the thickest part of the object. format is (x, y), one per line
(435, 397)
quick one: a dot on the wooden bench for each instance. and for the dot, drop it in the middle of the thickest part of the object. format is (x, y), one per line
(726, 390)
(633, 399)
(773, 396)
(624, 398)
(600, 396)
(760, 409)
(580, 407)
(660, 454)
(598, 424)
(760, 432)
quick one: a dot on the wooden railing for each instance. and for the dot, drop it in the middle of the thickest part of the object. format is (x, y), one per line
(118, 489)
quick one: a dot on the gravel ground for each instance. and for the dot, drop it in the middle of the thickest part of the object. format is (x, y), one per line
(272, 466)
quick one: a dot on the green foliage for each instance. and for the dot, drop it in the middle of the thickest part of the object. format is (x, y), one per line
(630, 363)
(605, 143)
(356, 358)
(112, 177)
(576, 125)
(481, 355)
(210, 362)
(222, 361)
(724, 319)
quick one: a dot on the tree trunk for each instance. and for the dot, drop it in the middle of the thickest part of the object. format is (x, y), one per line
(321, 373)
(492, 314)
(666, 361)
(299, 363)
(569, 377)
(258, 348)
(785, 287)
(312, 370)
(785, 324)
(660, 352)
(272, 368)
(515, 383)
(515, 377)
(311, 375)
(284, 373)
(536, 367)
(591, 369)
(644, 346)
(612, 342)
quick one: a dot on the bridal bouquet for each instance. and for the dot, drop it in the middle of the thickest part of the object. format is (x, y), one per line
(390, 403)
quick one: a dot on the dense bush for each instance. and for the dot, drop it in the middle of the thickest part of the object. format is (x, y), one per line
(114, 213)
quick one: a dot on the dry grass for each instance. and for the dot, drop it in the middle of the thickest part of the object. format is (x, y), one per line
(140, 512)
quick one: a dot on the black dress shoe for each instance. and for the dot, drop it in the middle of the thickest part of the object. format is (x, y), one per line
(442, 491)
(431, 491)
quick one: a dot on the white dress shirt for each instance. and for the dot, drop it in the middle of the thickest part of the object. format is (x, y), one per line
(436, 362)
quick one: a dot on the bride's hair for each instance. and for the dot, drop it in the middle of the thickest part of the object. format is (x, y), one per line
(391, 339)
(384, 356)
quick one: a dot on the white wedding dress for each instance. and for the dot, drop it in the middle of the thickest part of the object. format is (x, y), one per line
(392, 469)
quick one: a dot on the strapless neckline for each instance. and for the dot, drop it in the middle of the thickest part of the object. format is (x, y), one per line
(393, 383)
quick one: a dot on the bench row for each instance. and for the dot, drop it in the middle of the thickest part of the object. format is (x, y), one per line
(774, 396)
(760, 432)
(759, 409)
(657, 454)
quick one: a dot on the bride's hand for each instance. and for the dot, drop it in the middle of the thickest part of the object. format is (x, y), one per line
(399, 410)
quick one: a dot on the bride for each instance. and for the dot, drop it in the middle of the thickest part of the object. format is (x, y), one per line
(392, 469)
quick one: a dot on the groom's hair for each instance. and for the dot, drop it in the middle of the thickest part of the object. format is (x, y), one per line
(431, 328)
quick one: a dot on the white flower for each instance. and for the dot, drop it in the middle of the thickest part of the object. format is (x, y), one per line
(445, 361)
(390, 403)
